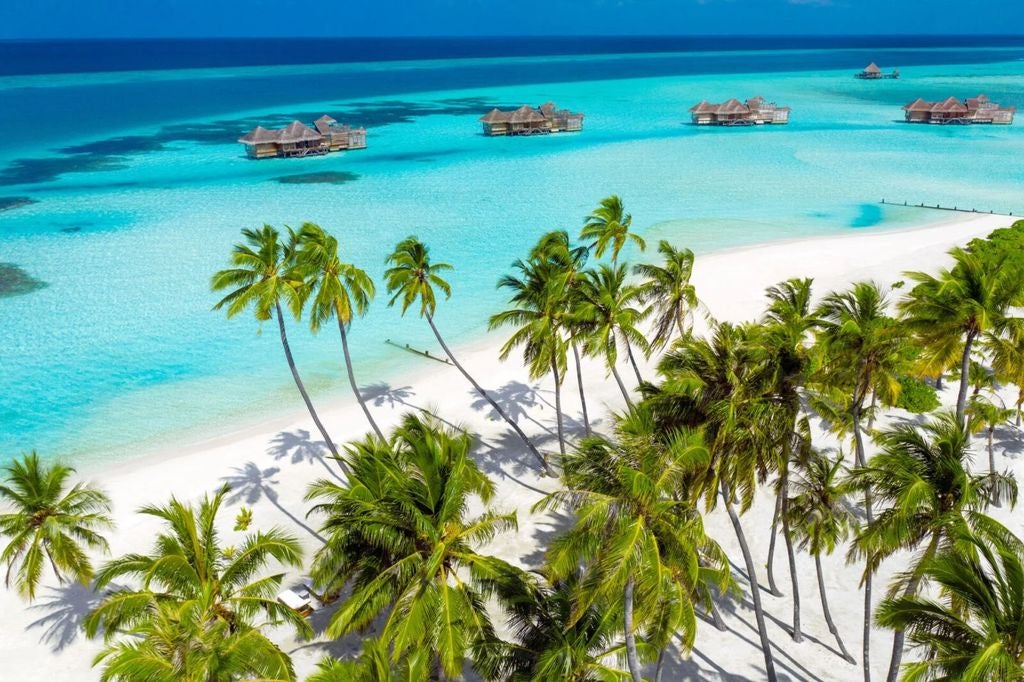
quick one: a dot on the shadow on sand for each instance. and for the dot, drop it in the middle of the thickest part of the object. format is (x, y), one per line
(63, 610)
(249, 484)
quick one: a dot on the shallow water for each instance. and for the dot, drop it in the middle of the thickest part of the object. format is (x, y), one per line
(142, 193)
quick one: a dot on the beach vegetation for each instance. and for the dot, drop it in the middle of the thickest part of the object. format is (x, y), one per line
(607, 229)
(916, 396)
(667, 291)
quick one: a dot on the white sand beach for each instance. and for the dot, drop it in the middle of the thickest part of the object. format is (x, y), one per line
(269, 471)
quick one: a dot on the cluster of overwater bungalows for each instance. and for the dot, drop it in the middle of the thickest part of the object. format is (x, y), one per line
(547, 118)
(298, 139)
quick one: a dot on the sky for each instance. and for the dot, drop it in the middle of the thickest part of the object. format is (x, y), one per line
(244, 18)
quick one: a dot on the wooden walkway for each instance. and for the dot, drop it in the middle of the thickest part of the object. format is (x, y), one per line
(938, 207)
(421, 353)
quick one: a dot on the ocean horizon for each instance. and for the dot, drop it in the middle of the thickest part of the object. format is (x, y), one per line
(128, 188)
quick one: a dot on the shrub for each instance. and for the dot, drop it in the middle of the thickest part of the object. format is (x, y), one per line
(916, 396)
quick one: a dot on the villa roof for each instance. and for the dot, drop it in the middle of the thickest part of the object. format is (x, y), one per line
(974, 102)
(495, 116)
(525, 114)
(949, 105)
(260, 135)
(733, 106)
(872, 68)
(703, 107)
(755, 101)
(297, 131)
(548, 108)
(323, 124)
(918, 105)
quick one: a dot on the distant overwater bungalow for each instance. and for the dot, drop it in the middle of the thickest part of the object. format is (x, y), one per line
(298, 139)
(952, 111)
(526, 120)
(872, 73)
(755, 111)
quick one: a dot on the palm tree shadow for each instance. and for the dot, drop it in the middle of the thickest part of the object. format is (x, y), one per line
(1009, 441)
(516, 399)
(249, 484)
(554, 524)
(504, 454)
(63, 611)
(298, 447)
(382, 393)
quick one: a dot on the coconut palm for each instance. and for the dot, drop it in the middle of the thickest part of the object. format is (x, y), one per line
(607, 228)
(863, 351)
(923, 480)
(667, 290)
(339, 291)
(1007, 354)
(537, 315)
(637, 534)
(412, 279)
(374, 665)
(985, 415)
(608, 310)
(181, 642)
(262, 276)
(46, 521)
(204, 582)
(973, 632)
(950, 312)
(821, 520)
(398, 535)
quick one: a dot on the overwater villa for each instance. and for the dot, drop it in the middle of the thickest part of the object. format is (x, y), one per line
(952, 111)
(527, 120)
(298, 139)
(755, 111)
(872, 73)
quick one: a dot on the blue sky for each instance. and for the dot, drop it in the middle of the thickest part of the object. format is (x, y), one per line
(170, 18)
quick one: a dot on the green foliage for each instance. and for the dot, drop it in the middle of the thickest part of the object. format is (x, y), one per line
(243, 519)
(916, 395)
(1003, 247)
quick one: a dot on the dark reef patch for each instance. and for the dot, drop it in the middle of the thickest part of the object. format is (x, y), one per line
(70, 230)
(321, 178)
(16, 282)
(11, 203)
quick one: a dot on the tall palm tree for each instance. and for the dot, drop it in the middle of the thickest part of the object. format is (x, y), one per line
(374, 665)
(202, 581)
(922, 477)
(339, 290)
(262, 276)
(864, 351)
(46, 521)
(974, 631)
(412, 278)
(609, 312)
(537, 315)
(719, 384)
(667, 291)
(1007, 354)
(636, 533)
(607, 228)
(821, 520)
(398, 535)
(985, 415)
(950, 312)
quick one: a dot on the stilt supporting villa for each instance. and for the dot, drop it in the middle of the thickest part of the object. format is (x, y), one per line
(952, 111)
(298, 139)
(872, 73)
(755, 111)
(527, 120)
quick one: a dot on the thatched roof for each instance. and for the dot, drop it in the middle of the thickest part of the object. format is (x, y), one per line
(297, 131)
(495, 116)
(872, 68)
(525, 114)
(733, 106)
(703, 107)
(324, 124)
(918, 105)
(260, 135)
(950, 105)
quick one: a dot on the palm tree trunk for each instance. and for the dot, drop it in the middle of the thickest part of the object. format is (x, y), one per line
(965, 368)
(632, 361)
(912, 586)
(558, 405)
(681, 325)
(632, 658)
(622, 386)
(660, 666)
(716, 617)
(871, 414)
(515, 427)
(302, 387)
(788, 537)
(858, 439)
(755, 590)
(772, 587)
(352, 380)
(938, 382)
(579, 382)
(828, 614)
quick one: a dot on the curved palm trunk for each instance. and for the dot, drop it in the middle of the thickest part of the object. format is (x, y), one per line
(515, 427)
(632, 658)
(302, 387)
(965, 367)
(558, 406)
(772, 588)
(716, 618)
(794, 578)
(632, 361)
(579, 382)
(858, 439)
(352, 381)
(680, 323)
(828, 614)
(871, 414)
(622, 386)
(912, 586)
(755, 590)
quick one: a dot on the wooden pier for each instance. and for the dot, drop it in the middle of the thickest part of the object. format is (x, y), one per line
(422, 353)
(939, 207)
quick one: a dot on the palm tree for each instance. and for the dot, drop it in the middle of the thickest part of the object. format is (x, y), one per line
(374, 665)
(179, 641)
(719, 384)
(668, 292)
(204, 584)
(537, 315)
(950, 312)
(1007, 354)
(398, 535)
(821, 520)
(608, 311)
(984, 415)
(974, 632)
(636, 533)
(339, 290)
(411, 279)
(607, 228)
(263, 274)
(864, 351)
(48, 522)
(922, 476)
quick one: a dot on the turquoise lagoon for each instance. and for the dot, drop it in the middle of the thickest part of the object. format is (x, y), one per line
(120, 354)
